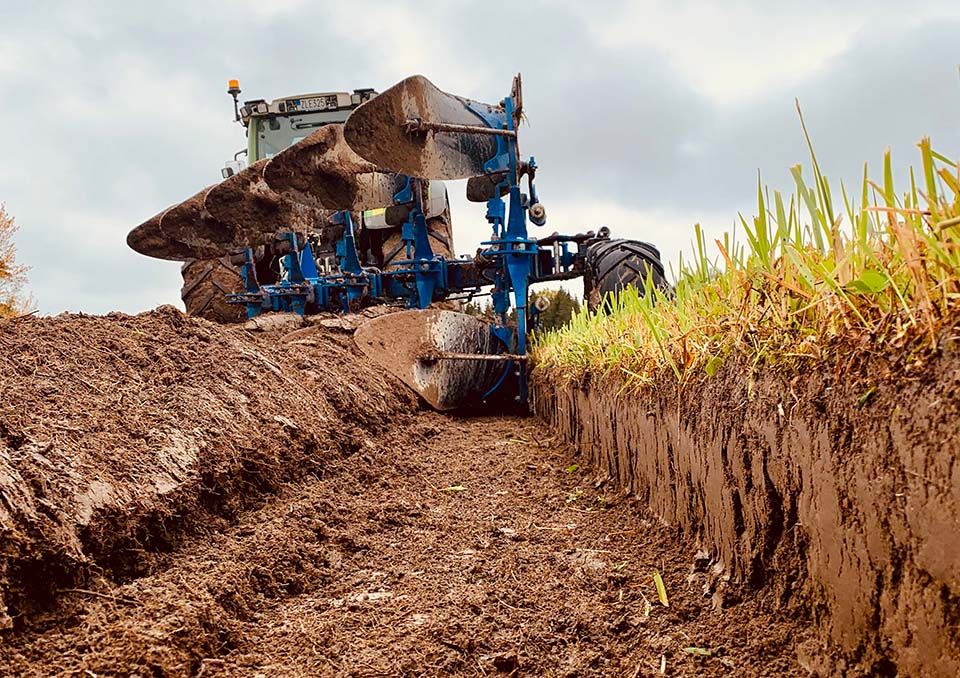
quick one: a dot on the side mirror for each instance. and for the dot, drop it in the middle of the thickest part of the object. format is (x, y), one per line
(232, 167)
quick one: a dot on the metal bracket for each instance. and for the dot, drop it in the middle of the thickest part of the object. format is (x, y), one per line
(415, 125)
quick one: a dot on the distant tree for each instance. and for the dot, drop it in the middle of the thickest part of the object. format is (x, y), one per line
(12, 275)
(481, 308)
(562, 306)
(473, 308)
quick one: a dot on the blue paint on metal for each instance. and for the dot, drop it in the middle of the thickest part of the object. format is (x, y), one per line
(509, 262)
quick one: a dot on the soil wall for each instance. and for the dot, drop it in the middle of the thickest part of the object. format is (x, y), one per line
(839, 495)
(120, 435)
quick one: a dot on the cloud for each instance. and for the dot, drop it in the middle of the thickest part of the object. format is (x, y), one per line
(732, 51)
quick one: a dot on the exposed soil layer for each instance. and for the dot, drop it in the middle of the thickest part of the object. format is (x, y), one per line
(119, 435)
(835, 489)
(444, 546)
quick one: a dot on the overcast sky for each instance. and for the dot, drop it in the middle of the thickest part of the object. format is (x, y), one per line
(646, 117)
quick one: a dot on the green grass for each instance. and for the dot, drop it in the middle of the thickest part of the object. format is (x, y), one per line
(880, 268)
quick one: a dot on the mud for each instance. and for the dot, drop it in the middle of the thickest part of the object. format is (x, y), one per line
(398, 342)
(255, 212)
(444, 547)
(239, 212)
(190, 223)
(323, 171)
(831, 490)
(377, 130)
(148, 239)
(119, 435)
(182, 232)
(179, 498)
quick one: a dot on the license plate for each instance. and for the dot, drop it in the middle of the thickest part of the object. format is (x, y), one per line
(325, 103)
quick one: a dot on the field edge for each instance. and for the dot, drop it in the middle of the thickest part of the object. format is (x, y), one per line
(829, 489)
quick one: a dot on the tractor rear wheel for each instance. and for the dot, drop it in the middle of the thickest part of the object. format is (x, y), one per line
(613, 265)
(206, 282)
(439, 232)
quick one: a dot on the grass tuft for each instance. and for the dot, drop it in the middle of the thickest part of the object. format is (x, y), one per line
(881, 270)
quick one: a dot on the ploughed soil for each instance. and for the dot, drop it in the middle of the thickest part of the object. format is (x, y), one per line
(178, 498)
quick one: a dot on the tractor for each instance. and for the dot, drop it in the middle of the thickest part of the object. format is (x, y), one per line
(270, 128)
(341, 206)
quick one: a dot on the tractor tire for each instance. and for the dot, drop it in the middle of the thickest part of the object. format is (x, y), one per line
(206, 282)
(439, 232)
(613, 265)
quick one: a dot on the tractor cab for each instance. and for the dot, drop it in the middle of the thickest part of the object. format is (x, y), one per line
(276, 125)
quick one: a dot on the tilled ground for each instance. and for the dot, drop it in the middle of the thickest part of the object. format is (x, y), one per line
(445, 546)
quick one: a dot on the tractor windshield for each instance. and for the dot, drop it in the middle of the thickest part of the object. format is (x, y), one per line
(278, 132)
